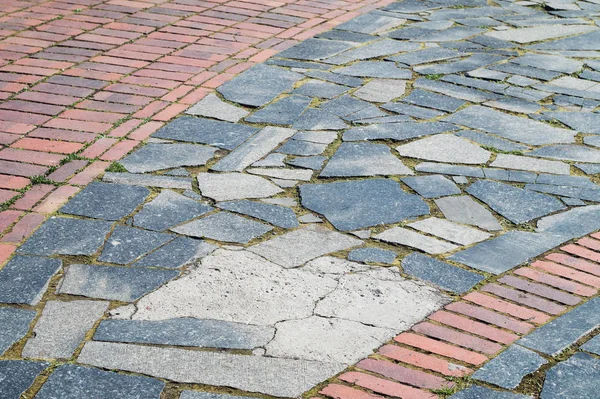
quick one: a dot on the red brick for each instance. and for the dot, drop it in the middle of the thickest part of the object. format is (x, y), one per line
(524, 299)
(170, 112)
(61, 147)
(566, 272)
(556, 282)
(218, 80)
(540, 290)
(15, 128)
(337, 391)
(56, 199)
(6, 250)
(502, 306)
(441, 348)
(124, 128)
(582, 252)
(98, 148)
(90, 173)
(24, 228)
(34, 157)
(66, 135)
(67, 170)
(589, 243)
(457, 338)
(151, 109)
(490, 317)
(144, 131)
(195, 96)
(7, 218)
(20, 169)
(385, 387)
(403, 374)
(68, 124)
(13, 182)
(119, 150)
(424, 361)
(32, 197)
(7, 195)
(576, 263)
(91, 116)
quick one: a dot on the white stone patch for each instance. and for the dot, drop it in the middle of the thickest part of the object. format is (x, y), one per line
(232, 186)
(445, 148)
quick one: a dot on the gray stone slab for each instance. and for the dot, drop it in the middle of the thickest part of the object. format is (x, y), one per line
(452, 90)
(179, 252)
(335, 78)
(592, 346)
(491, 141)
(113, 282)
(318, 119)
(185, 332)
(531, 72)
(319, 89)
(381, 90)
(371, 23)
(316, 49)
(576, 377)
(259, 85)
(346, 36)
(556, 336)
(441, 274)
(232, 186)
(71, 381)
(588, 41)
(594, 141)
(515, 204)
(432, 186)
(313, 162)
(283, 174)
(253, 149)
(567, 191)
(455, 33)
(507, 251)
(510, 127)
(168, 209)
(589, 169)
(468, 64)
(353, 205)
(396, 131)
(152, 157)
(412, 110)
(276, 215)
(162, 181)
(364, 159)
(514, 104)
(62, 328)
(572, 223)
(283, 112)
(375, 69)
(510, 161)
(577, 153)
(300, 147)
(448, 169)
(539, 33)
(177, 172)
(106, 201)
(445, 148)
(450, 231)
(16, 376)
(425, 56)
(15, 325)
(24, 279)
(206, 131)
(508, 369)
(208, 395)
(212, 106)
(551, 62)
(300, 246)
(585, 122)
(477, 392)
(224, 226)
(374, 255)
(402, 236)
(272, 160)
(126, 244)
(433, 100)
(272, 376)
(377, 49)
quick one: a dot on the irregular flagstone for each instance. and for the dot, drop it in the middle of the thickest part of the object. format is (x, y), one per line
(551, 62)
(298, 247)
(477, 392)
(572, 223)
(381, 90)
(208, 395)
(71, 381)
(24, 279)
(259, 85)
(323, 137)
(508, 369)
(346, 106)
(511, 127)
(515, 204)
(127, 244)
(318, 119)
(312, 162)
(15, 325)
(452, 90)
(224, 226)
(507, 251)
(592, 346)
(399, 235)
(510, 161)
(179, 252)
(448, 35)
(113, 282)
(319, 89)
(248, 373)
(560, 333)
(17, 376)
(334, 78)
(185, 332)
(152, 157)
(274, 214)
(168, 209)
(206, 131)
(62, 328)
(371, 23)
(577, 153)
(375, 69)
(514, 105)
(375, 255)
(65, 236)
(373, 50)
(232, 186)
(253, 149)
(465, 210)
(589, 169)
(426, 56)
(567, 191)
(450, 231)
(285, 174)
(432, 186)
(412, 110)
(539, 33)
(212, 106)
(442, 274)
(531, 72)
(468, 64)
(364, 159)
(283, 112)
(272, 160)
(573, 378)
(448, 169)
(588, 41)
(106, 201)
(149, 180)
(353, 205)
(445, 148)
(396, 131)
(433, 100)
(491, 141)
(315, 49)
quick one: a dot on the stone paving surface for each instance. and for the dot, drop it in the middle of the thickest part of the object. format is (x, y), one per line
(403, 206)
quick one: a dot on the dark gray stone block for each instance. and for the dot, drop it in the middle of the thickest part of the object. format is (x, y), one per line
(320, 89)
(315, 49)
(335, 78)
(16, 376)
(317, 119)
(577, 153)
(126, 244)
(585, 122)
(593, 345)
(464, 65)
(477, 392)
(15, 324)
(24, 279)
(442, 274)
(354, 205)
(168, 209)
(106, 201)
(206, 131)
(426, 56)
(224, 226)
(283, 112)
(71, 381)
(364, 159)
(375, 255)
(313, 162)
(432, 186)
(345, 106)
(567, 191)
(589, 169)
(433, 100)
(508, 369)
(152, 157)
(576, 377)
(280, 216)
(179, 252)
(491, 141)
(587, 41)
(375, 69)
(452, 90)
(412, 110)
(300, 147)
(448, 169)
(371, 23)
(396, 131)
(346, 36)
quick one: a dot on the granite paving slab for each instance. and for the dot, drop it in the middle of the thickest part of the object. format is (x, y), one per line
(374, 255)
(364, 159)
(576, 153)
(15, 325)
(592, 346)
(276, 215)
(126, 244)
(153, 157)
(510, 367)
(316, 49)
(478, 392)
(445, 148)
(212, 106)
(433, 100)
(375, 69)
(572, 223)
(539, 33)
(396, 131)
(282, 112)
(575, 377)
(402, 236)
(432, 186)
(233, 186)
(449, 231)
(318, 119)
(464, 209)
(224, 226)
(24, 279)
(161, 181)
(518, 162)
(179, 252)
(381, 90)
(371, 23)
(16, 376)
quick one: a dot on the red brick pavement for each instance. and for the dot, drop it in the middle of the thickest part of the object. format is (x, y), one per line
(82, 82)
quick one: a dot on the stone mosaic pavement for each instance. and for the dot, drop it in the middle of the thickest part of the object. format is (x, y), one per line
(403, 206)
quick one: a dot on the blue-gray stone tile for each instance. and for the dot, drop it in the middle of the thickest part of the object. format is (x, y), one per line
(584, 122)
(320, 89)
(375, 69)
(317, 119)
(371, 23)
(24, 279)
(515, 204)
(185, 332)
(346, 36)
(396, 131)
(433, 100)
(477, 392)
(364, 159)
(468, 64)
(375, 255)
(353, 205)
(592, 346)
(312, 162)
(508, 369)
(507, 251)
(556, 336)
(315, 49)
(15, 324)
(220, 134)
(442, 274)
(16, 376)
(224, 226)
(377, 49)
(280, 216)
(335, 78)
(448, 169)
(210, 395)
(573, 223)
(588, 169)
(113, 283)
(455, 33)
(299, 147)
(126, 244)
(152, 157)
(452, 90)
(587, 194)
(576, 377)
(71, 381)
(426, 56)
(577, 153)
(179, 252)
(345, 106)
(162, 181)
(168, 209)
(106, 201)
(587, 41)
(412, 110)
(297, 64)
(491, 141)
(283, 112)
(432, 186)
